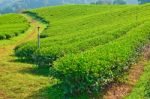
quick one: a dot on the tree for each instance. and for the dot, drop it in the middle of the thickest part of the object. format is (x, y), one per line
(143, 1)
(99, 2)
(103, 2)
(107, 1)
(119, 2)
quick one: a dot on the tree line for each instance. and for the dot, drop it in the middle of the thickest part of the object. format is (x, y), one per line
(119, 1)
(19, 5)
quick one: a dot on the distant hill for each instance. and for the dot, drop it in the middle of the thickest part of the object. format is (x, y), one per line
(7, 6)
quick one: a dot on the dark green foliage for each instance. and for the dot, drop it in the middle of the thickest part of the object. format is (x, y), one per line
(35, 16)
(119, 2)
(143, 1)
(147, 89)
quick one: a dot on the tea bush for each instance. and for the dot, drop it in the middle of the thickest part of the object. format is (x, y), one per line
(12, 25)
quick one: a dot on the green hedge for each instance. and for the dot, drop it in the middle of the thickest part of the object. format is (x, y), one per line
(12, 25)
(50, 51)
(147, 89)
(93, 69)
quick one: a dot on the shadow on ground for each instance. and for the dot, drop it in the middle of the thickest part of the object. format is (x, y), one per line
(23, 60)
(51, 92)
(54, 92)
(36, 71)
(33, 70)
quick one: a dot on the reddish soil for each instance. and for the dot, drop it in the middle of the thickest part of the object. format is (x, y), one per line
(2, 95)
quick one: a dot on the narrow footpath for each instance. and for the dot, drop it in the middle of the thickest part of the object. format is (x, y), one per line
(17, 80)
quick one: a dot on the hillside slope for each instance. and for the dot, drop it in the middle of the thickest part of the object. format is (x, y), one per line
(10, 27)
(89, 46)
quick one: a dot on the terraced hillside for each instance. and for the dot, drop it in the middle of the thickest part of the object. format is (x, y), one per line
(12, 25)
(89, 46)
(71, 30)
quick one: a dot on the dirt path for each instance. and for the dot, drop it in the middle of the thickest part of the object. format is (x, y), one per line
(10, 75)
(31, 34)
(120, 90)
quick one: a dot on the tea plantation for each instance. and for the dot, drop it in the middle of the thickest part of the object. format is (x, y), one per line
(12, 25)
(89, 46)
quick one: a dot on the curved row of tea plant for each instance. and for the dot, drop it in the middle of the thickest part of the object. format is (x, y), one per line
(72, 33)
(91, 48)
(71, 19)
(49, 52)
(12, 25)
(93, 69)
